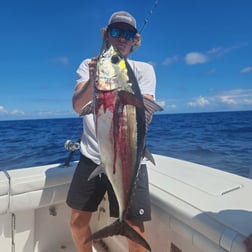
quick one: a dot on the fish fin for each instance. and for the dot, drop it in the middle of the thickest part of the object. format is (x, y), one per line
(151, 105)
(150, 108)
(148, 155)
(87, 109)
(128, 98)
(119, 228)
(98, 170)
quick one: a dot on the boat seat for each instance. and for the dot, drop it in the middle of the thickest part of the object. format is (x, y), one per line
(39, 186)
(4, 192)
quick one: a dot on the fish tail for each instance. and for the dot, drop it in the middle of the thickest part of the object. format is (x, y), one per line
(119, 228)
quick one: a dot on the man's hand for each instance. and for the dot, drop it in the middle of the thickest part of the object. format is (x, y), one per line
(92, 66)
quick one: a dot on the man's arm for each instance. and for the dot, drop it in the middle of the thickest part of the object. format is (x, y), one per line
(83, 93)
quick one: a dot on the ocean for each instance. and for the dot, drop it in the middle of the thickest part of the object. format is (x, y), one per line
(221, 140)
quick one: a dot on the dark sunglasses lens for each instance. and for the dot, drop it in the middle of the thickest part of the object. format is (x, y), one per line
(129, 35)
(115, 32)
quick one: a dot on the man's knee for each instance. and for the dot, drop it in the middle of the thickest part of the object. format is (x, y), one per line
(80, 219)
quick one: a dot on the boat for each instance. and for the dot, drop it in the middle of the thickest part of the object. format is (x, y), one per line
(195, 208)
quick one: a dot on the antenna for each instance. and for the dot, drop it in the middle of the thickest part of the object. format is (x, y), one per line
(146, 20)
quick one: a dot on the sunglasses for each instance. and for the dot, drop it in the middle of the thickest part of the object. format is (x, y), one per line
(117, 33)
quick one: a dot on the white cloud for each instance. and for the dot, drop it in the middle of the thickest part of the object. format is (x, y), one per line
(161, 103)
(227, 99)
(246, 69)
(215, 51)
(14, 112)
(171, 106)
(212, 71)
(62, 60)
(220, 51)
(3, 110)
(199, 102)
(236, 97)
(170, 60)
(193, 58)
(17, 112)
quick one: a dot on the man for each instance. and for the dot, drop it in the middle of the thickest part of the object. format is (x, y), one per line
(84, 196)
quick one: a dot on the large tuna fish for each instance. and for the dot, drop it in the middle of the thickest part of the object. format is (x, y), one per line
(119, 111)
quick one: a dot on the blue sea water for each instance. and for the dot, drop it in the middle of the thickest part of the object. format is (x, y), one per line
(221, 140)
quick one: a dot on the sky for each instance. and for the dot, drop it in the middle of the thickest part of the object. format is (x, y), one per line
(201, 52)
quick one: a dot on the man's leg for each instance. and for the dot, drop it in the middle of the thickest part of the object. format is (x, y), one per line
(79, 225)
(83, 198)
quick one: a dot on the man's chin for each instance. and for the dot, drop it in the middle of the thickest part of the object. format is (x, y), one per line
(121, 50)
(120, 47)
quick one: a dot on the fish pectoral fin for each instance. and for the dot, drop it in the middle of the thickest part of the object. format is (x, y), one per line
(127, 98)
(150, 108)
(98, 170)
(151, 105)
(149, 156)
(119, 228)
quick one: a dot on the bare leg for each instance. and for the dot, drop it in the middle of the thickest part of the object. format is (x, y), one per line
(80, 229)
(135, 247)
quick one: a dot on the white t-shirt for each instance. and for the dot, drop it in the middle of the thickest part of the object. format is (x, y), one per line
(146, 78)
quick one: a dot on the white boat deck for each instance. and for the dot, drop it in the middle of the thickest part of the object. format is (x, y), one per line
(194, 209)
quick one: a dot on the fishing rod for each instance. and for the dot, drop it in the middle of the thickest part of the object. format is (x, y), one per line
(74, 146)
(147, 19)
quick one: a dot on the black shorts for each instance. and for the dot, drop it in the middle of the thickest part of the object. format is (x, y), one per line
(86, 195)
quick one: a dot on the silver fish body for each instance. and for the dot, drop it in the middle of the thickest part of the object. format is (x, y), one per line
(119, 113)
(120, 123)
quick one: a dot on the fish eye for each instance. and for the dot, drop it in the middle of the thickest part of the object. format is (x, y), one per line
(115, 59)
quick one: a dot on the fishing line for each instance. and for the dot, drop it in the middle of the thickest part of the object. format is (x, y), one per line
(147, 19)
